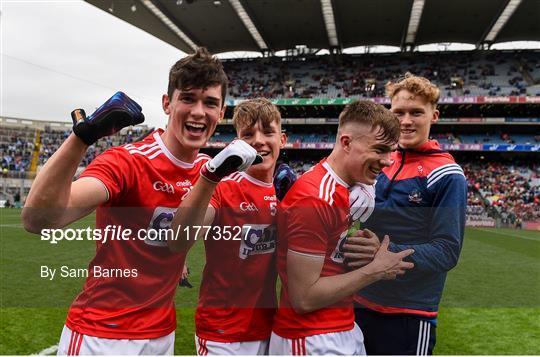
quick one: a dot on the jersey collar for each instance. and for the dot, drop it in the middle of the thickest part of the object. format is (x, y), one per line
(334, 175)
(170, 156)
(256, 181)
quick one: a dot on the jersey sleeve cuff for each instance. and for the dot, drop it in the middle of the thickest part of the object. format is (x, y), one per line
(308, 254)
(101, 182)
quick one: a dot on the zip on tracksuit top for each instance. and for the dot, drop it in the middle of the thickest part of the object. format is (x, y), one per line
(421, 200)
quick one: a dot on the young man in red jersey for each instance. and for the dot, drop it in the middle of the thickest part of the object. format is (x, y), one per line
(136, 186)
(316, 313)
(237, 296)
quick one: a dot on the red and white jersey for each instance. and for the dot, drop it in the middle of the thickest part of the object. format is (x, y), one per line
(237, 297)
(313, 220)
(145, 184)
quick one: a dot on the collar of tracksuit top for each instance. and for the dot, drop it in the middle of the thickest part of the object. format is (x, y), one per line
(428, 148)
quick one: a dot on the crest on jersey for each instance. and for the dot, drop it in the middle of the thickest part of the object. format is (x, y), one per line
(337, 255)
(159, 226)
(257, 239)
(415, 197)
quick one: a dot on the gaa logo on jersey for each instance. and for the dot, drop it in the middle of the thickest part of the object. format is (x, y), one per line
(257, 239)
(337, 255)
(248, 207)
(163, 187)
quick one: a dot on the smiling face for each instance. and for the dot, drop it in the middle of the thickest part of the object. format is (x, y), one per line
(193, 116)
(415, 116)
(267, 139)
(368, 152)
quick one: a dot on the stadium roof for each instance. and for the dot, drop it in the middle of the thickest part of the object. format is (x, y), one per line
(273, 25)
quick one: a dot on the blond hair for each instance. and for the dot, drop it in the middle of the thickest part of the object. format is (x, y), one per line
(373, 115)
(419, 86)
(249, 112)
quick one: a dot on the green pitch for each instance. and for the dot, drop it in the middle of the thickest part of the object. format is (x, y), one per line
(491, 303)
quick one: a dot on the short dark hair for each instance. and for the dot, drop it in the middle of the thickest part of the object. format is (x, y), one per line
(198, 70)
(375, 115)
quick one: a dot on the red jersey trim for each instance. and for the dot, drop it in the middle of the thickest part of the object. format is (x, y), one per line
(232, 339)
(121, 334)
(148, 147)
(327, 186)
(235, 176)
(99, 181)
(282, 332)
(308, 254)
(239, 176)
(202, 157)
(334, 175)
(392, 310)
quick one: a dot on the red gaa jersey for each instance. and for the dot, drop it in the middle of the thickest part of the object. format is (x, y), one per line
(131, 283)
(313, 220)
(237, 298)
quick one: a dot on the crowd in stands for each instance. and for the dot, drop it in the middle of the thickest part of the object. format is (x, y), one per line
(487, 138)
(17, 149)
(496, 190)
(327, 134)
(51, 141)
(458, 74)
(324, 134)
(512, 190)
(16, 146)
(301, 166)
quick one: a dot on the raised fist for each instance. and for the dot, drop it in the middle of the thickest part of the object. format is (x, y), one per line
(237, 156)
(116, 113)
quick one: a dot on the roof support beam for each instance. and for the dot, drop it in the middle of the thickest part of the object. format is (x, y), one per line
(414, 22)
(250, 26)
(329, 22)
(167, 21)
(501, 21)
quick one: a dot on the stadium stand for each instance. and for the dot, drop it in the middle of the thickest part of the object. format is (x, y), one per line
(25, 146)
(16, 147)
(326, 134)
(499, 193)
(486, 73)
(52, 139)
(512, 191)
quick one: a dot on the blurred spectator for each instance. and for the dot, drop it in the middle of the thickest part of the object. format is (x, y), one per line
(513, 190)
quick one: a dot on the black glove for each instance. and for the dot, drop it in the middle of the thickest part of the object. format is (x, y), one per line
(284, 177)
(116, 113)
(185, 283)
